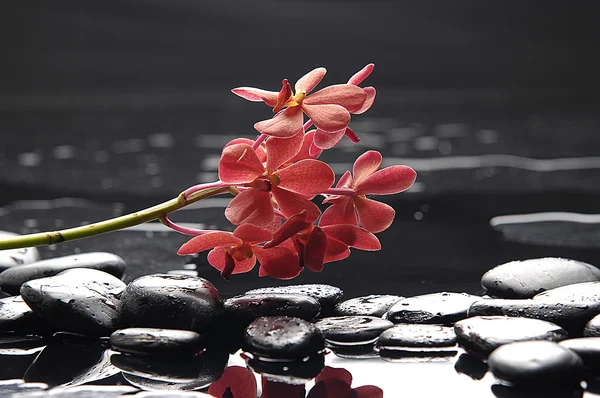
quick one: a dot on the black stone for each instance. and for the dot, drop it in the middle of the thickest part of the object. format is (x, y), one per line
(354, 330)
(471, 366)
(536, 363)
(169, 301)
(16, 315)
(373, 305)
(77, 300)
(586, 291)
(290, 372)
(480, 335)
(157, 342)
(14, 257)
(525, 279)
(592, 328)
(572, 316)
(588, 348)
(283, 337)
(248, 307)
(507, 391)
(175, 370)
(417, 336)
(328, 296)
(12, 278)
(361, 351)
(418, 355)
(436, 308)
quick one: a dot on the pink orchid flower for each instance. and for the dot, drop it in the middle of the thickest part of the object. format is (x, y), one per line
(236, 253)
(261, 186)
(354, 207)
(328, 139)
(236, 381)
(328, 108)
(337, 383)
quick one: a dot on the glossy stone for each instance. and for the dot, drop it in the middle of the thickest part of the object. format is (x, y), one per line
(77, 300)
(12, 278)
(571, 315)
(586, 291)
(16, 315)
(592, 328)
(327, 295)
(12, 257)
(296, 372)
(356, 330)
(423, 336)
(372, 305)
(436, 308)
(169, 301)
(156, 342)
(525, 279)
(588, 348)
(283, 338)
(536, 363)
(248, 307)
(471, 366)
(481, 335)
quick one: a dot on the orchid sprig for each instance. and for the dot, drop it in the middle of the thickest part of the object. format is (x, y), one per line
(274, 180)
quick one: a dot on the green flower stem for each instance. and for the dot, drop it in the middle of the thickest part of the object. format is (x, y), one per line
(129, 220)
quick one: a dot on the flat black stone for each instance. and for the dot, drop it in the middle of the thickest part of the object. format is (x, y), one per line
(283, 338)
(12, 278)
(525, 279)
(422, 336)
(77, 300)
(418, 355)
(16, 315)
(436, 308)
(586, 291)
(327, 295)
(157, 342)
(536, 363)
(372, 305)
(480, 335)
(352, 330)
(167, 301)
(592, 328)
(588, 348)
(571, 315)
(246, 308)
(290, 372)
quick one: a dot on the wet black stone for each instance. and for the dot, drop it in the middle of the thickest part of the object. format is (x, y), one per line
(77, 300)
(480, 335)
(588, 348)
(418, 355)
(12, 257)
(417, 336)
(355, 330)
(171, 302)
(586, 291)
(471, 366)
(436, 308)
(16, 315)
(12, 278)
(327, 295)
(291, 372)
(175, 370)
(572, 316)
(157, 342)
(283, 337)
(536, 363)
(525, 279)
(372, 305)
(361, 351)
(592, 328)
(248, 307)
(507, 391)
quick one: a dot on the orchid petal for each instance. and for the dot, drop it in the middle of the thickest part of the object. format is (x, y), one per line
(327, 140)
(260, 151)
(291, 227)
(239, 380)
(278, 262)
(315, 250)
(257, 95)
(306, 177)
(207, 241)
(391, 180)
(328, 117)
(239, 164)
(365, 165)
(336, 251)
(280, 150)
(365, 392)
(309, 81)
(252, 233)
(340, 212)
(285, 124)
(340, 374)
(291, 203)
(370, 98)
(314, 151)
(350, 97)
(250, 206)
(361, 75)
(351, 135)
(345, 180)
(305, 152)
(216, 258)
(353, 236)
(373, 216)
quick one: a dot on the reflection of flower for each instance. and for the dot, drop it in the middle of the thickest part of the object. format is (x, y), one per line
(239, 382)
